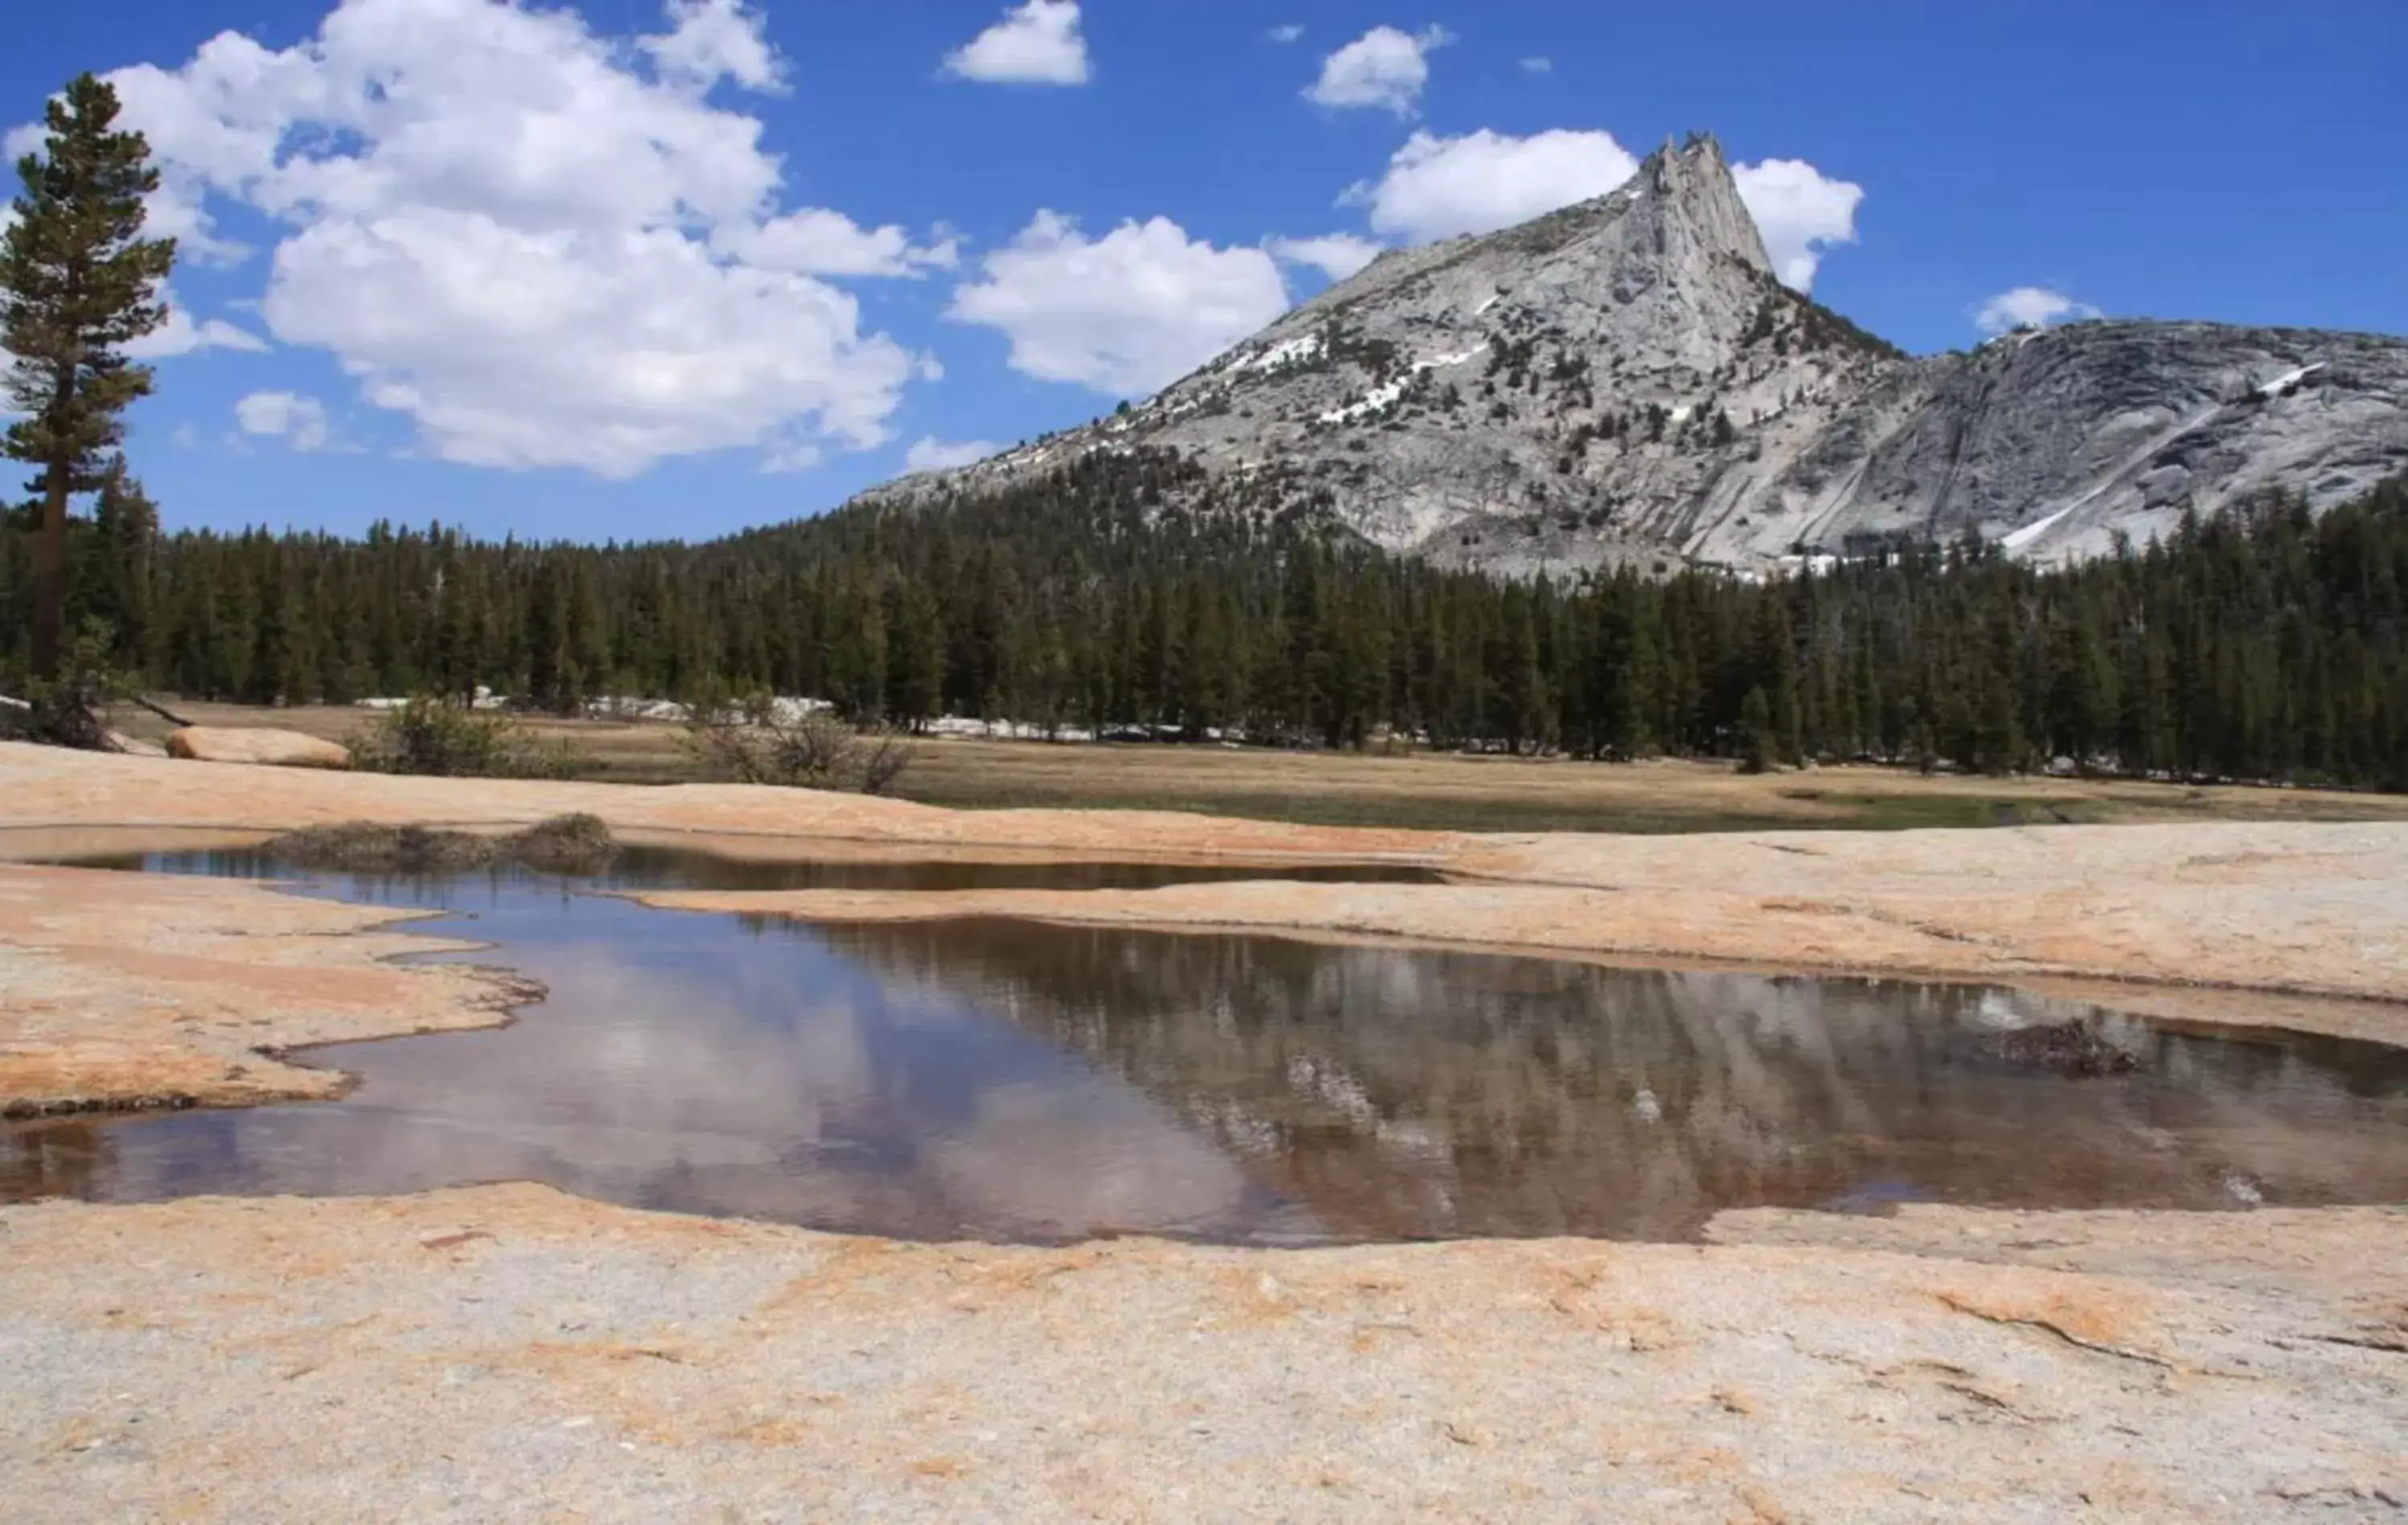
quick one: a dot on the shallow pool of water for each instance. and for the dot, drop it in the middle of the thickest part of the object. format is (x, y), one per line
(664, 867)
(1003, 1080)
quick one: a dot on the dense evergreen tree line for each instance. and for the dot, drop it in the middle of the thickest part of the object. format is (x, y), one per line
(2262, 645)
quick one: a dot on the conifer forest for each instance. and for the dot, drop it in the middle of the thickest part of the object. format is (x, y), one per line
(2264, 646)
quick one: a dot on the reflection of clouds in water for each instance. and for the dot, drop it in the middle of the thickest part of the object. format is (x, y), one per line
(1054, 1159)
(1003, 1078)
(623, 1072)
(783, 1085)
(627, 1064)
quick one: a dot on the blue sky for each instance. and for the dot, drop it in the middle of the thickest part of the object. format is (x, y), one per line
(635, 270)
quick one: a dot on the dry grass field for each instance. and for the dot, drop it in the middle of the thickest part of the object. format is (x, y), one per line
(1431, 791)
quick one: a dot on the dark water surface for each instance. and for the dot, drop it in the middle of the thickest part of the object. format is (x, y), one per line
(663, 868)
(1001, 1080)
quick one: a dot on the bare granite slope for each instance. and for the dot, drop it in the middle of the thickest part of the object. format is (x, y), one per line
(509, 1353)
(1625, 380)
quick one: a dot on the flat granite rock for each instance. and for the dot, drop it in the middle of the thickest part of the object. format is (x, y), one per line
(509, 1352)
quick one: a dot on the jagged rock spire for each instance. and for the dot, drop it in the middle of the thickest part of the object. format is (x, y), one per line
(1690, 193)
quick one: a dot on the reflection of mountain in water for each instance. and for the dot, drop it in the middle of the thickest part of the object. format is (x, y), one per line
(1403, 1093)
(1011, 1080)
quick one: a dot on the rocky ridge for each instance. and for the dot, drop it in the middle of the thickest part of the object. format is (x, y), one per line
(1626, 381)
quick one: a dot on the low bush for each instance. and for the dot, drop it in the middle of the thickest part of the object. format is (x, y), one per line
(750, 743)
(442, 737)
(66, 712)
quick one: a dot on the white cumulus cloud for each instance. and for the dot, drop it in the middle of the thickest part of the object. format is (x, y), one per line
(1444, 187)
(543, 246)
(1441, 187)
(182, 334)
(1539, 64)
(1124, 314)
(711, 39)
(1801, 213)
(300, 422)
(817, 241)
(1336, 255)
(1289, 32)
(930, 453)
(1038, 43)
(1384, 67)
(2028, 307)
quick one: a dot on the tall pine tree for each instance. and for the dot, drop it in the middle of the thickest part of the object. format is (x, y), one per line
(78, 284)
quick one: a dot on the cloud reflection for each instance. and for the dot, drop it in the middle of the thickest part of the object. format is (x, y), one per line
(1005, 1080)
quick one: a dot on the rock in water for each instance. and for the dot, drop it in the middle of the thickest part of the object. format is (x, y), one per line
(368, 847)
(571, 846)
(1628, 381)
(271, 748)
(566, 844)
(2074, 1049)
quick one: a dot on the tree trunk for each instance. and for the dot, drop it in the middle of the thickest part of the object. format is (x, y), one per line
(50, 576)
(157, 709)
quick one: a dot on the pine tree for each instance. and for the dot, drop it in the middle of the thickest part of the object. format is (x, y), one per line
(549, 663)
(2082, 699)
(77, 283)
(1774, 659)
(1998, 744)
(857, 646)
(915, 645)
(1520, 686)
(1623, 665)
(2144, 739)
(589, 651)
(1759, 746)
(115, 587)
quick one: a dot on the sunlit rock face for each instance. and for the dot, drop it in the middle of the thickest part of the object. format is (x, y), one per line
(1626, 380)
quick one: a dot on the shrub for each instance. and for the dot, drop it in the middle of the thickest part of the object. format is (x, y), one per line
(1757, 744)
(66, 712)
(749, 743)
(442, 737)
